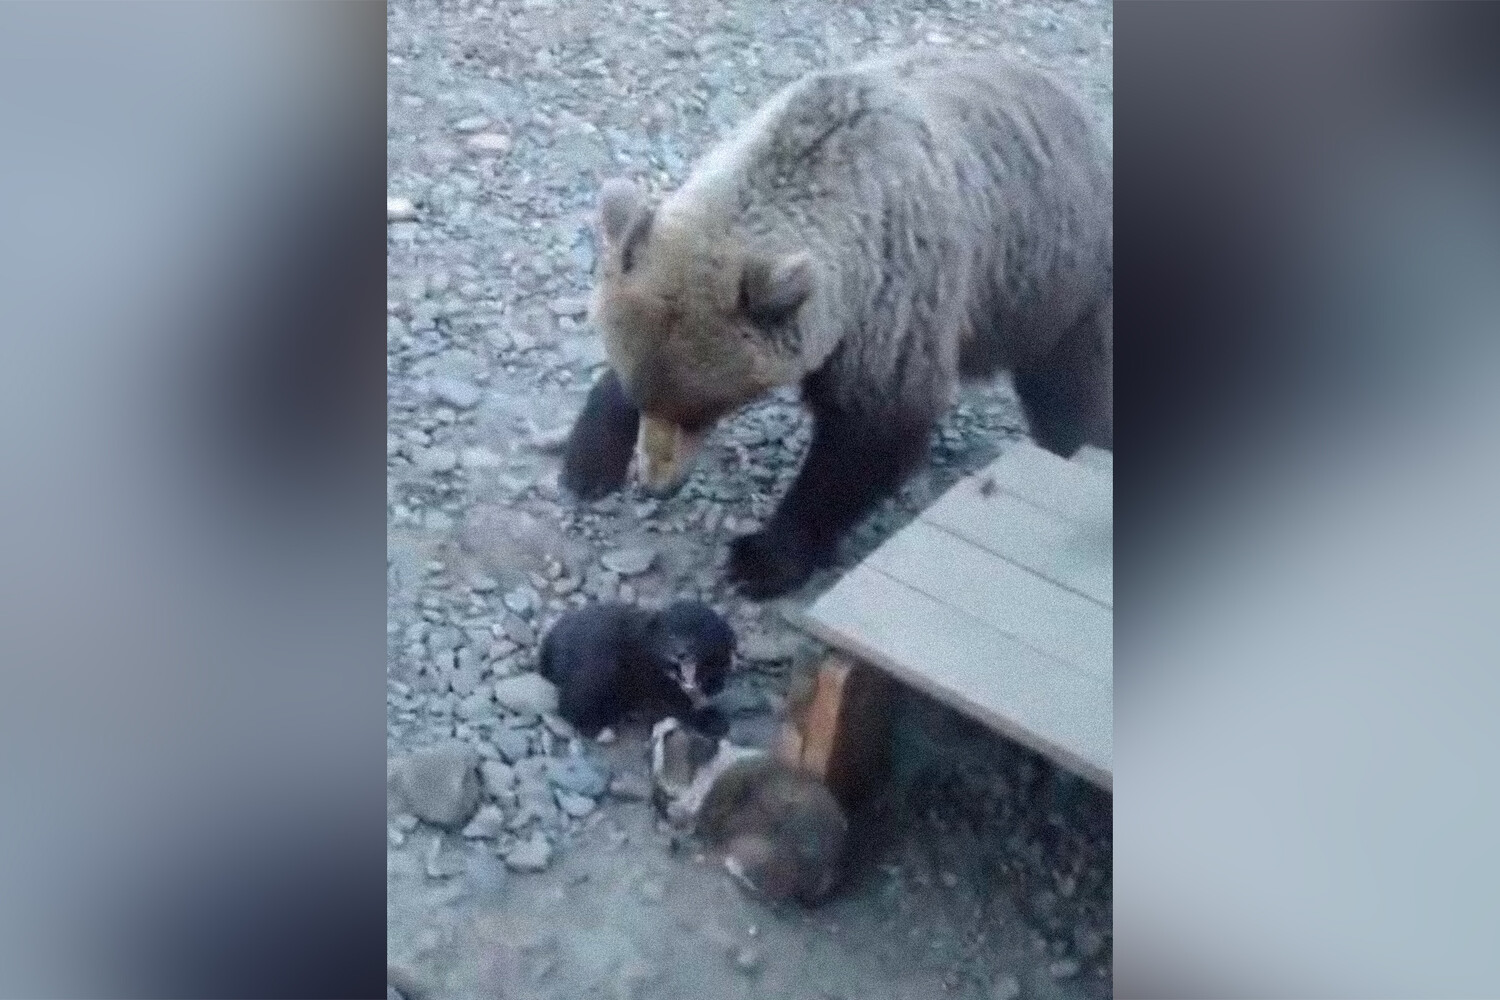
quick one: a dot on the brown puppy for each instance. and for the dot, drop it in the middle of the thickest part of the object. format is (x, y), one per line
(778, 831)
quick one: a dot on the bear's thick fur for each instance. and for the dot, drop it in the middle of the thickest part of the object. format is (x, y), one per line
(872, 234)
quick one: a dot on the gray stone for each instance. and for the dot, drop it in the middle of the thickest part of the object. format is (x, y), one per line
(435, 461)
(514, 746)
(489, 143)
(740, 699)
(497, 778)
(523, 601)
(440, 784)
(576, 806)
(631, 787)
(533, 855)
(399, 210)
(476, 706)
(749, 960)
(576, 775)
(458, 393)
(518, 630)
(1063, 968)
(1088, 941)
(487, 824)
(531, 693)
(473, 123)
(628, 562)
(762, 647)
(1007, 986)
(442, 862)
(569, 307)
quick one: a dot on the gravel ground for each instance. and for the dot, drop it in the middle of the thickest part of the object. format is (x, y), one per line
(524, 863)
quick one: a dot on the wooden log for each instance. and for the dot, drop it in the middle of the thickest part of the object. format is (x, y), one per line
(837, 727)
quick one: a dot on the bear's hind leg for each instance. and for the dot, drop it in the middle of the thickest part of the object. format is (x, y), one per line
(855, 461)
(1067, 393)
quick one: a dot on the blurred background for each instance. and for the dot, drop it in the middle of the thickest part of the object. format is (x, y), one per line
(191, 263)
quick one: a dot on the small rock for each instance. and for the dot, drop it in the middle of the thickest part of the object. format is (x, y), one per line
(560, 727)
(531, 693)
(455, 392)
(436, 461)
(514, 746)
(749, 960)
(440, 783)
(631, 787)
(405, 822)
(1088, 941)
(487, 824)
(479, 458)
(569, 307)
(471, 124)
(497, 778)
(522, 600)
(441, 862)
(489, 143)
(740, 699)
(574, 774)
(576, 806)
(532, 855)
(552, 440)
(628, 562)
(762, 647)
(606, 736)
(1007, 987)
(1063, 968)
(476, 706)
(399, 210)
(518, 630)
(482, 584)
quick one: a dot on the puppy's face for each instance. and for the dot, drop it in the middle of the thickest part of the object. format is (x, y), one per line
(681, 661)
(694, 647)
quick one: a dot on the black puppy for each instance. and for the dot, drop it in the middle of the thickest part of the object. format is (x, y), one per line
(596, 461)
(611, 660)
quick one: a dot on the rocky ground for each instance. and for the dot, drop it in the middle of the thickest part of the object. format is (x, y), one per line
(982, 872)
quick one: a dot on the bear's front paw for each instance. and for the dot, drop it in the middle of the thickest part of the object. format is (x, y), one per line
(766, 565)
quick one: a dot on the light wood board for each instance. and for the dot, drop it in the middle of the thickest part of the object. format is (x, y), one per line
(999, 601)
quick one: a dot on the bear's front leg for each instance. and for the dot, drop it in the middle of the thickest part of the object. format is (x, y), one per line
(856, 460)
(596, 461)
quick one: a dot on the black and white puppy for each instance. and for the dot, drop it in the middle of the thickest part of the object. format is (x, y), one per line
(612, 660)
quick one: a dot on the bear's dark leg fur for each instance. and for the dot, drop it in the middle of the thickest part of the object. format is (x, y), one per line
(597, 459)
(856, 460)
(1065, 393)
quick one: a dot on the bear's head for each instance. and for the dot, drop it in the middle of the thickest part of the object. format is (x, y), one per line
(695, 323)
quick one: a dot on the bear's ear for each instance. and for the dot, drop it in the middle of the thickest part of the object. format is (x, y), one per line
(620, 201)
(773, 288)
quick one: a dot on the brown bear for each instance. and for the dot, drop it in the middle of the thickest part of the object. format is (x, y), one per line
(873, 235)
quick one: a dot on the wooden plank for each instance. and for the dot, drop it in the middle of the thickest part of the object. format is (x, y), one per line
(1029, 609)
(961, 660)
(1077, 556)
(1073, 490)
